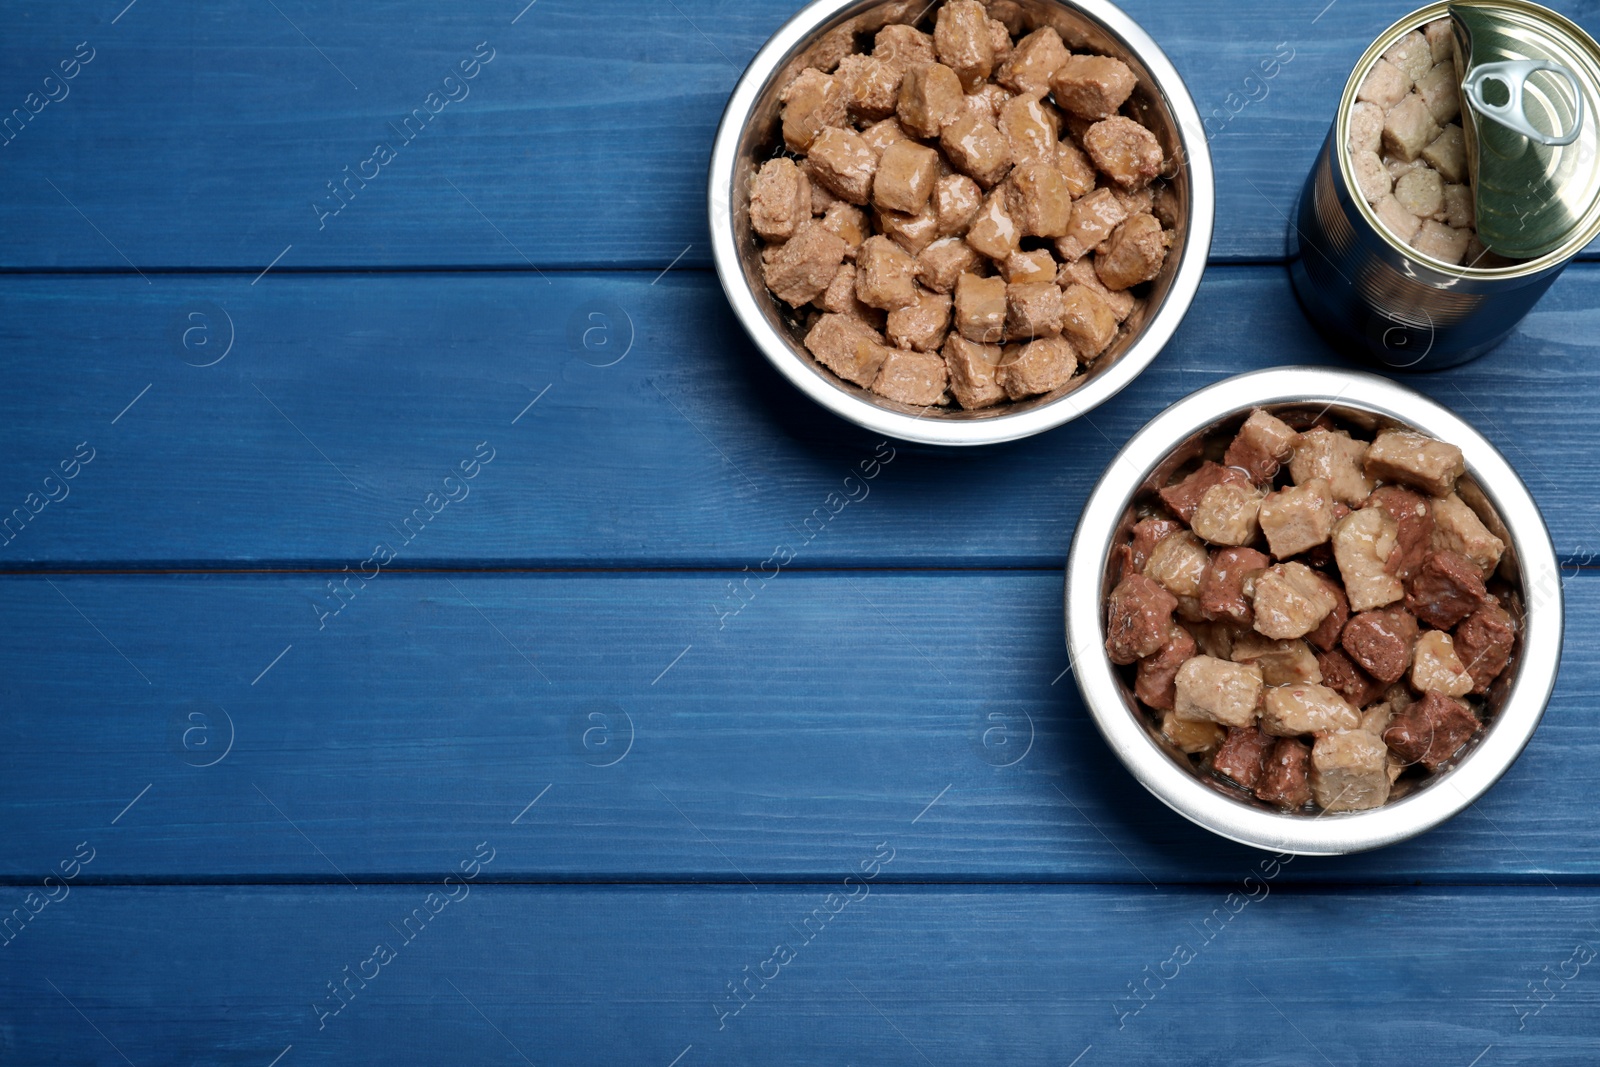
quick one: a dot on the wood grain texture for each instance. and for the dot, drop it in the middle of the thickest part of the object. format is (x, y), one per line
(202, 136)
(903, 975)
(346, 400)
(609, 725)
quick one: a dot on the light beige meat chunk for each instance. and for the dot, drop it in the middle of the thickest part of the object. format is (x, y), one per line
(1074, 163)
(1435, 665)
(1441, 40)
(843, 163)
(956, 202)
(1227, 514)
(1420, 192)
(1032, 130)
(1440, 89)
(931, 98)
(1036, 266)
(1411, 54)
(1306, 708)
(1093, 87)
(1416, 460)
(1409, 128)
(1087, 320)
(1336, 458)
(1400, 222)
(1441, 242)
(813, 102)
(848, 223)
(1126, 152)
(1135, 252)
(1190, 736)
(980, 310)
(941, 264)
(1289, 662)
(848, 347)
(1350, 770)
(906, 173)
(799, 270)
(1298, 518)
(994, 232)
(885, 275)
(1457, 528)
(1262, 446)
(911, 232)
(871, 86)
(1459, 209)
(912, 377)
(972, 368)
(1031, 63)
(1033, 310)
(1362, 542)
(1385, 85)
(1037, 367)
(1179, 563)
(977, 149)
(1372, 178)
(1366, 127)
(780, 199)
(903, 47)
(1094, 217)
(1447, 154)
(1214, 690)
(962, 40)
(1038, 199)
(1290, 601)
(922, 325)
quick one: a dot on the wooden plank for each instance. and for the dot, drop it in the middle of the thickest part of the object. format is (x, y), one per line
(203, 136)
(344, 402)
(609, 726)
(901, 975)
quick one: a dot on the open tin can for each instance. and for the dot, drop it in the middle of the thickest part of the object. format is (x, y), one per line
(1529, 84)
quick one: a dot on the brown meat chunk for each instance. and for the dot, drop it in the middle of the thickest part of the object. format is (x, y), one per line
(906, 173)
(1326, 635)
(871, 86)
(941, 264)
(912, 377)
(1430, 731)
(1032, 129)
(977, 149)
(1037, 367)
(880, 135)
(1031, 63)
(1484, 641)
(981, 308)
(994, 233)
(1445, 590)
(1036, 266)
(1033, 309)
(962, 40)
(1382, 642)
(848, 223)
(1341, 674)
(1262, 446)
(1135, 252)
(1093, 87)
(848, 347)
(1156, 681)
(922, 325)
(813, 102)
(1415, 459)
(1094, 218)
(1285, 773)
(1138, 619)
(986, 103)
(911, 232)
(1185, 496)
(885, 275)
(799, 270)
(1413, 516)
(972, 368)
(843, 163)
(931, 98)
(1243, 755)
(1087, 319)
(956, 201)
(1038, 199)
(1147, 534)
(1082, 272)
(1190, 736)
(1124, 151)
(903, 47)
(780, 199)
(1226, 589)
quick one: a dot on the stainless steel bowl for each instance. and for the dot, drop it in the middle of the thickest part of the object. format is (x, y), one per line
(749, 132)
(1516, 702)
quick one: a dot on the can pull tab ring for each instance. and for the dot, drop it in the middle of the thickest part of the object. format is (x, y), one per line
(1507, 80)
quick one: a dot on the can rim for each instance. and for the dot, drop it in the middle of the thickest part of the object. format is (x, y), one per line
(1341, 137)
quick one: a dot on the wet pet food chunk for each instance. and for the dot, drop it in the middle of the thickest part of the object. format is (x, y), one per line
(941, 265)
(973, 368)
(977, 149)
(1349, 771)
(780, 199)
(963, 42)
(1033, 61)
(848, 347)
(1307, 708)
(1093, 87)
(911, 377)
(1038, 367)
(1483, 643)
(1382, 642)
(885, 275)
(1298, 518)
(1263, 445)
(1134, 253)
(1242, 756)
(813, 102)
(1415, 460)
(1435, 665)
(905, 177)
(843, 163)
(1214, 690)
(981, 308)
(931, 98)
(1128, 153)
(1430, 731)
(799, 271)
(1139, 619)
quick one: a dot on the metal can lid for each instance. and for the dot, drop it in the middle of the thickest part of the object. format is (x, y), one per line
(1530, 117)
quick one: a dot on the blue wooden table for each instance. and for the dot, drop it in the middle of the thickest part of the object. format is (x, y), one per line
(390, 672)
